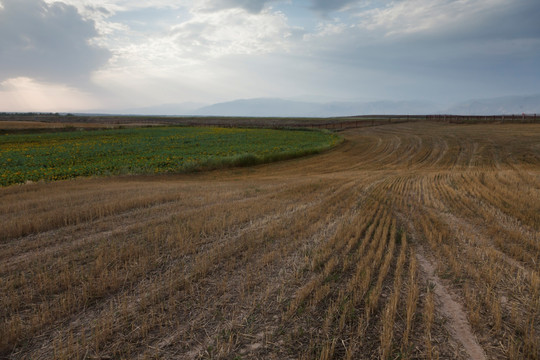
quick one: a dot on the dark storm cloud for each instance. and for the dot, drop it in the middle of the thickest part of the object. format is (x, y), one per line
(48, 42)
(511, 21)
(493, 50)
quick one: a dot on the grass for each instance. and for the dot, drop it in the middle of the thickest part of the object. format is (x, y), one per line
(316, 258)
(54, 156)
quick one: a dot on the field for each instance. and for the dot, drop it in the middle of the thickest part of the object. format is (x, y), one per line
(55, 156)
(408, 241)
(11, 126)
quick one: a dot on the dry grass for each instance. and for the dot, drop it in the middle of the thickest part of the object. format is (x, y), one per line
(311, 258)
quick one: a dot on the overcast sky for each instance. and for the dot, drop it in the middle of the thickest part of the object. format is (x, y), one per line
(75, 55)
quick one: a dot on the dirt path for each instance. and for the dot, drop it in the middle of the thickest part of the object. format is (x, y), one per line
(458, 324)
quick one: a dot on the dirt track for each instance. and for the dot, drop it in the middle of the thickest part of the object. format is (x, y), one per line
(309, 258)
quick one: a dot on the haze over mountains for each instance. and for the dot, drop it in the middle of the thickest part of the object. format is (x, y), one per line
(298, 108)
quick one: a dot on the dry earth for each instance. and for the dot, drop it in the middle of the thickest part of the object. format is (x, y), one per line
(416, 241)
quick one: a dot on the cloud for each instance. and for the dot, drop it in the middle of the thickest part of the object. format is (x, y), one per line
(123, 5)
(428, 30)
(450, 17)
(432, 49)
(47, 42)
(232, 31)
(325, 6)
(252, 6)
(215, 50)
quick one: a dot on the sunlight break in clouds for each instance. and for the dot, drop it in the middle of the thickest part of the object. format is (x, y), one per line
(232, 31)
(24, 94)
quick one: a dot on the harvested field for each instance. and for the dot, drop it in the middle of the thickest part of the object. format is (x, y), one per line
(416, 240)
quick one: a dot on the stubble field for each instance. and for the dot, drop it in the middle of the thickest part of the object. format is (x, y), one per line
(416, 241)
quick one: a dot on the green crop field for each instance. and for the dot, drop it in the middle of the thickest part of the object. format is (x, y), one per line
(54, 156)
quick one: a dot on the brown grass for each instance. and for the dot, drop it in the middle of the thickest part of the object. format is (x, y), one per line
(311, 258)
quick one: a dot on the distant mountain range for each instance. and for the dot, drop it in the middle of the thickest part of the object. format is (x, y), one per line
(187, 108)
(500, 105)
(275, 107)
(285, 108)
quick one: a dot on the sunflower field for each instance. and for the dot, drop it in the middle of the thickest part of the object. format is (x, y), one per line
(63, 155)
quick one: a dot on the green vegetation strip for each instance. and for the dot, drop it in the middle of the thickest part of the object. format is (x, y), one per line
(55, 156)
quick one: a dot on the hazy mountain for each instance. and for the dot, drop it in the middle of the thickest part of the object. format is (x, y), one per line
(261, 107)
(290, 108)
(319, 108)
(187, 108)
(500, 105)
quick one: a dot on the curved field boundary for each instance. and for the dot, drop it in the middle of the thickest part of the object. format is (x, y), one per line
(56, 156)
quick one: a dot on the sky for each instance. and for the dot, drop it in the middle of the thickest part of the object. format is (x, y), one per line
(84, 55)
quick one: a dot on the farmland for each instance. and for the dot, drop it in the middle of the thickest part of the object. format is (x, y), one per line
(414, 240)
(55, 156)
